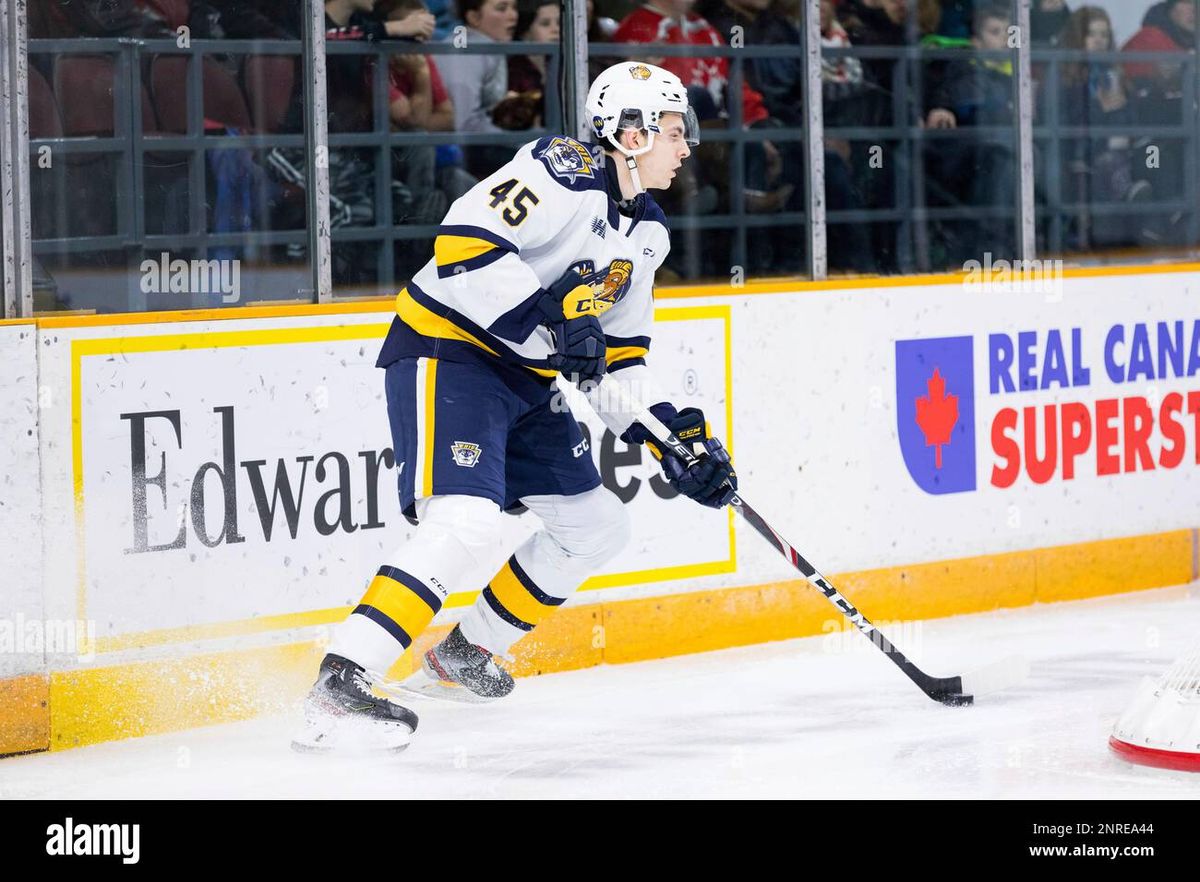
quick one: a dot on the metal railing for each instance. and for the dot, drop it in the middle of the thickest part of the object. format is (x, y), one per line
(909, 211)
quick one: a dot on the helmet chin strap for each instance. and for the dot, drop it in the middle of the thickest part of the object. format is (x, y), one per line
(631, 160)
(631, 164)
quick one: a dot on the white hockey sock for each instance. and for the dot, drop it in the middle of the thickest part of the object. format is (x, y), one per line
(582, 533)
(456, 539)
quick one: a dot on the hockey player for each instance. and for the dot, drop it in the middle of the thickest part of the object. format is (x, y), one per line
(544, 268)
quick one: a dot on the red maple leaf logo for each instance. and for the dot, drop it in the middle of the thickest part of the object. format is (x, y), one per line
(936, 414)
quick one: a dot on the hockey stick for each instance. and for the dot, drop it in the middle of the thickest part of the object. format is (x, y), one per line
(954, 691)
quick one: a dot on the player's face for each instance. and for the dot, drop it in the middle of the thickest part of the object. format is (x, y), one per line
(658, 166)
(496, 18)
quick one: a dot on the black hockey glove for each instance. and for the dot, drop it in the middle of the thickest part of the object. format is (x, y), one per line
(569, 312)
(711, 480)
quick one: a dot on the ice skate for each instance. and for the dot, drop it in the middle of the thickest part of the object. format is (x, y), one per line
(342, 713)
(457, 670)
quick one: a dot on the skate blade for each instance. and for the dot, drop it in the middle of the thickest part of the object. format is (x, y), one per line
(422, 685)
(350, 737)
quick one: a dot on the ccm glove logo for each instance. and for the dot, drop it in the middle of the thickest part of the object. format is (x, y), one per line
(580, 300)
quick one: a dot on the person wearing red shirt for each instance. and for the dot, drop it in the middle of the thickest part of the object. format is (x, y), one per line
(1167, 27)
(673, 22)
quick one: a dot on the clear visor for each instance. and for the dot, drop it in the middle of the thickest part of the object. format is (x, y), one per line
(691, 128)
(632, 119)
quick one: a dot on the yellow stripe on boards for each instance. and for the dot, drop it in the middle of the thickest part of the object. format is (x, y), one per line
(514, 598)
(133, 699)
(24, 713)
(448, 250)
(399, 603)
(168, 694)
(429, 428)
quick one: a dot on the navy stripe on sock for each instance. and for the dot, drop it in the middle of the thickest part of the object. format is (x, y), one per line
(384, 622)
(527, 583)
(413, 584)
(499, 610)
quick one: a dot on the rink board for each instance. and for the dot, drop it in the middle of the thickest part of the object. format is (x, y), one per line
(187, 584)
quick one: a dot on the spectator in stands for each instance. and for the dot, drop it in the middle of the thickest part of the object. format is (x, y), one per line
(478, 83)
(445, 18)
(537, 22)
(674, 22)
(600, 30)
(1167, 27)
(707, 80)
(781, 83)
(1094, 92)
(841, 77)
(978, 91)
(955, 18)
(260, 19)
(777, 80)
(1098, 169)
(1047, 18)
(1158, 97)
(885, 23)
(875, 22)
(417, 101)
(96, 18)
(978, 171)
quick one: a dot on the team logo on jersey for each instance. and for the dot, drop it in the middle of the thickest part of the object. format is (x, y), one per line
(609, 284)
(639, 72)
(568, 159)
(465, 453)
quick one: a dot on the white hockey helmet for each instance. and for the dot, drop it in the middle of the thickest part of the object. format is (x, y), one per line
(635, 95)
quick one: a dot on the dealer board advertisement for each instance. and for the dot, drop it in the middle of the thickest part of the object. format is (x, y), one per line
(224, 474)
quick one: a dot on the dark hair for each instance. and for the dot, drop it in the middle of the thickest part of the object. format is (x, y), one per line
(462, 7)
(1074, 36)
(384, 8)
(988, 11)
(1075, 31)
(527, 13)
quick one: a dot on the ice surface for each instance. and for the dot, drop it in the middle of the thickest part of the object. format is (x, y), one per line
(821, 717)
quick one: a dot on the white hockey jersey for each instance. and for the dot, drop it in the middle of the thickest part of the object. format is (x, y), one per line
(511, 236)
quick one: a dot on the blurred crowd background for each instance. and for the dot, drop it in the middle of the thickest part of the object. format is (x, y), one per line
(181, 127)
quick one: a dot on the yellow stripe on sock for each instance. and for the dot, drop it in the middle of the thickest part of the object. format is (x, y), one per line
(513, 597)
(399, 604)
